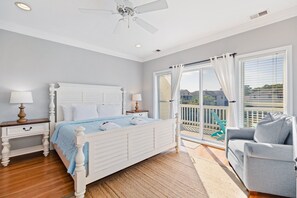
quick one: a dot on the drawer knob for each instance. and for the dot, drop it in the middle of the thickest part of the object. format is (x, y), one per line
(29, 129)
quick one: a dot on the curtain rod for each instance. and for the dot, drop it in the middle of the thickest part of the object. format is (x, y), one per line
(202, 61)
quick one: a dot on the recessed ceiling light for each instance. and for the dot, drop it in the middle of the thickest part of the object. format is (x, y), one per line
(138, 45)
(158, 50)
(23, 6)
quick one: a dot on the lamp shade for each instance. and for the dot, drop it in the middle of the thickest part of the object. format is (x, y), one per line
(136, 97)
(18, 97)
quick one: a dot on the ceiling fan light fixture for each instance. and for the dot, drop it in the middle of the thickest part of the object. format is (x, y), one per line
(23, 6)
(138, 46)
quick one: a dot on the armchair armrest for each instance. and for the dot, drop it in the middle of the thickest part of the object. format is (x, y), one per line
(241, 133)
(278, 152)
(238, 133)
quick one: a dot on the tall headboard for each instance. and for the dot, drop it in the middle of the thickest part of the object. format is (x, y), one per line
(67, 93)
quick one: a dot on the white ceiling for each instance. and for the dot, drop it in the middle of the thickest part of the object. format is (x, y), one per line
(183, 24)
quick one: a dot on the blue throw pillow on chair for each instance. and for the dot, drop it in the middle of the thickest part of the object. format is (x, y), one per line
(274, 129)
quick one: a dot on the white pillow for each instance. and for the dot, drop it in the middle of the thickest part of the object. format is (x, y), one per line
(109, 110)
(84, 112)
(67, 112)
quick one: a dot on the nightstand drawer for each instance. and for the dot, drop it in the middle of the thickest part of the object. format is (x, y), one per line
(24, 129)
(140, 114)
(144, 114)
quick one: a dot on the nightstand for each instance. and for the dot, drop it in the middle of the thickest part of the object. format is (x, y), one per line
(139, 113)
(13, 130)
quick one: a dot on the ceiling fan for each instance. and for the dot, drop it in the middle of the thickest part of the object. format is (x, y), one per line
(129, 13)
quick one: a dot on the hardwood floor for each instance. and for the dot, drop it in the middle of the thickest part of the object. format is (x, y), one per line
(165, 175)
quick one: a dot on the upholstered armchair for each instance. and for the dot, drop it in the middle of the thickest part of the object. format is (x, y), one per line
(262, 167)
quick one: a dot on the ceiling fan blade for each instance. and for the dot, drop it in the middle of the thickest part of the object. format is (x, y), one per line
(148, 27)
(119, 26)
(86, 10)
(153, 6)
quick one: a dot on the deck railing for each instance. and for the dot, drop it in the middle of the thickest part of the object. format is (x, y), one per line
(190, 116)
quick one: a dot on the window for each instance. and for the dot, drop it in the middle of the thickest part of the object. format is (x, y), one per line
(263, 85)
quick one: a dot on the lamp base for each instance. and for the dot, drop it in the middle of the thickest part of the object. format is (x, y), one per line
(136, 107)
(23, 120)
(22, 115)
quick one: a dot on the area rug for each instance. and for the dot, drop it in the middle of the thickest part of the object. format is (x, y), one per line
(165, 175)
(171, 175)
(219, 180)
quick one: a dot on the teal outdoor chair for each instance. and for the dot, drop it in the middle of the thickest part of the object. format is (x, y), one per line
(222, 124)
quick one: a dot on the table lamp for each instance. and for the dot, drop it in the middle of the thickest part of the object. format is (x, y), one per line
(137, 98)
(21, 97)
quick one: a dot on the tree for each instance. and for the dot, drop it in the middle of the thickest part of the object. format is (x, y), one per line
(247, 90)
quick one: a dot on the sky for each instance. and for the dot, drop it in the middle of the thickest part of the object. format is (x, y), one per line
(190, 80)
(268, 70)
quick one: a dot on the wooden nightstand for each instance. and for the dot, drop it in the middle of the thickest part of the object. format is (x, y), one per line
(140, 113)
(12, 130)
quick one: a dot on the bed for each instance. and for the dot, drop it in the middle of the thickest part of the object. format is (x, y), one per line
(107, 151)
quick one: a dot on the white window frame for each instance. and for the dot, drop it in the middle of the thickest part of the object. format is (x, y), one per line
(288, 77)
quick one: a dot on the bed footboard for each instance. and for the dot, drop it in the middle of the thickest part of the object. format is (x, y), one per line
(114, 150)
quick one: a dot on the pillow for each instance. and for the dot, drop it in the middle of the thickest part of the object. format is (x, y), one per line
(287, 127)
(267, 118)
(271, 132)
(109, 110)
(84, 112)
(67, 112)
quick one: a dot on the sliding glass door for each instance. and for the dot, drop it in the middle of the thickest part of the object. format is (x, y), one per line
(215, 105)
(203, 106)
(190, 104)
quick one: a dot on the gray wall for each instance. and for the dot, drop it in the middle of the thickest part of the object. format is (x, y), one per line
(275, 35)
(28, 63)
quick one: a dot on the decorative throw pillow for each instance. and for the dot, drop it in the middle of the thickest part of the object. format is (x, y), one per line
(84, 112)
(287, 128)
(67, 112)
(270, 132)
(267, 118)
(109, 110)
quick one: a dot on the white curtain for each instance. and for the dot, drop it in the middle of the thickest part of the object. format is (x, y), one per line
(176, 74)
(225, 70)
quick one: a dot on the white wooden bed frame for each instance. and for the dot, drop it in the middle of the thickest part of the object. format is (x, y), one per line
(114, 150)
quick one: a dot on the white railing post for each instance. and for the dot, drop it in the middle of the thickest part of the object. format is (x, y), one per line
(80, 170)
(177, 133)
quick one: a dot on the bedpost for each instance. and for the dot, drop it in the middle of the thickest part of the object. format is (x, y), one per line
(177, 133)
(52, 116)
(80, 171)
(123, 101)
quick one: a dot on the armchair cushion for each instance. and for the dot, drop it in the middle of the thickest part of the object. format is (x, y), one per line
(274, 132)
(237, 148)
(277, 152)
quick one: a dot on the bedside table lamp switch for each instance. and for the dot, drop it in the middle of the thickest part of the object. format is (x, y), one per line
(18, 97)
(137, 98)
